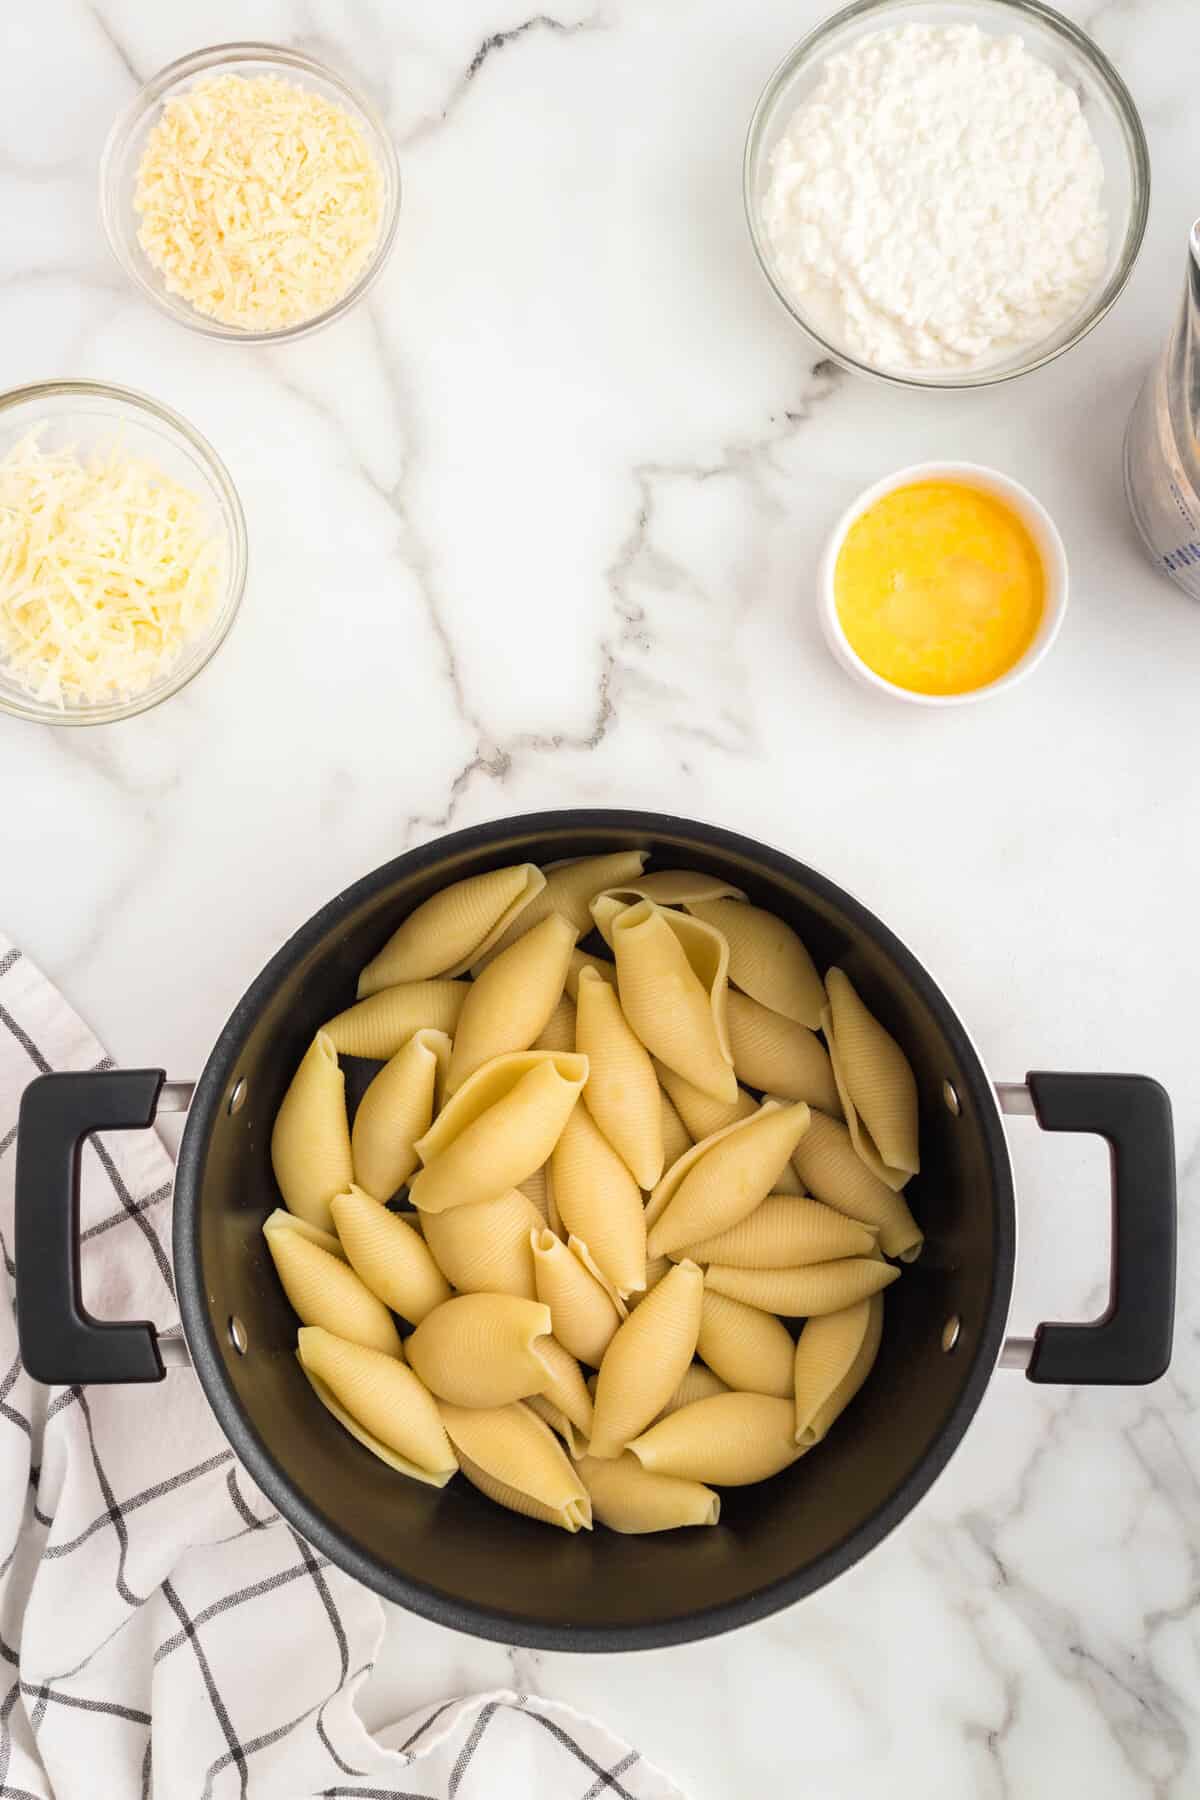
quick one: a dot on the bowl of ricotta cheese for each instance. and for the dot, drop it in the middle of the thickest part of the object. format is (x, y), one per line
(946, 193)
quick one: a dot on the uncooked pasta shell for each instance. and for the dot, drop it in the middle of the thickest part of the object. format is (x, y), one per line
(447, 932)
(396, 1110)
(701, 1114)
(574, 1440)
(512, 1000)
(748, 1349)
(389, 1254)
(721, 1180)
(558, 1033)
(834, 1356)
(730, 1440)
(807, 1292)
(520, 1461)
(622, 1092)
(484, 1249)
(628, 1498)
(779, 1056)
(672, 982)
(563, 1384)
(403, 1465)
(599, 1201)
(479, 1350)
(832, 1170)
(569, 889)
(381, 1025)
(310, 1141)
(676, 1138)
(699, 1383)
(647, 1359)
(501, 1125)
(878, 1076)
(782, 1232)
(381, 1395)
(584, 1312)
(324, 1290)
(766, 958)
(581, 960)
(282, 1220)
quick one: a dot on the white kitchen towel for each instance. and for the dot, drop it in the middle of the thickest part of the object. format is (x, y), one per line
(163, 1633)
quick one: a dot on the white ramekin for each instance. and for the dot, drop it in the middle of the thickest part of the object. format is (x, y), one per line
(1038, 523)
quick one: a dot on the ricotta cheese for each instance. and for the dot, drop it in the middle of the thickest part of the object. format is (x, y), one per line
(937, 200)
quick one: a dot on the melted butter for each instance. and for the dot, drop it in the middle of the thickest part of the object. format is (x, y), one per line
(939, 587)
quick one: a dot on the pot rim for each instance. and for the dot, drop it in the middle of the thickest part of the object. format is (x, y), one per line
(199, 1330)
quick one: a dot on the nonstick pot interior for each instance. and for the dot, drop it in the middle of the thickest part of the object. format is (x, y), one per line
(451, 1554)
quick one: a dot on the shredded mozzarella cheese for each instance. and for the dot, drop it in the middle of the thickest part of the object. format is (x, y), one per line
(108, 570)
(260, 200)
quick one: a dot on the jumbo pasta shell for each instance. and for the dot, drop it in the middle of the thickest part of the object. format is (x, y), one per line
(806, 1292)
(389, 1255)
(834, 1356)
(513, 1457)
(720, 1181)
(622, 1092)
(395, 1111)
(512, 1000)
(498, 1129)
(558, 1033)
(646, 1360)
(783, 1232)
(878, 1076)
(569, 889)
(832, 1170)
(484, 1249)
(672, 981)
(748, 1349)
(584, 1312)
(581, 960)
(730, 1440)
(381, 1025)
(480, 1350)
(447, 932)
(630, 1499)
(324, 1290)
(766, 958)
(779, 1056)
(382, 1396)
(563, 1385)
(310, 1140)
(599, 1201)
(701, 1114)
(699, 1383)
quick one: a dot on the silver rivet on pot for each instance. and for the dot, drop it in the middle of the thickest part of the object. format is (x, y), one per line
(238, 1097)
(950, 1096)
(951, 1331)
(237, 1335)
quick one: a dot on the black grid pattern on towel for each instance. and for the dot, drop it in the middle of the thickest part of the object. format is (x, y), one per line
(232, 1771)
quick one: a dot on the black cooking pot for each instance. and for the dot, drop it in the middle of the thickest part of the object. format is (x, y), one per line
(451, 1554)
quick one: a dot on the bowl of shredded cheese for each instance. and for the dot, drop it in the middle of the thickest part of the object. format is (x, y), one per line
(122, 553)
(250, 192)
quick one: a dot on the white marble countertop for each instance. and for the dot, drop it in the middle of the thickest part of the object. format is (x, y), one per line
(537, 527)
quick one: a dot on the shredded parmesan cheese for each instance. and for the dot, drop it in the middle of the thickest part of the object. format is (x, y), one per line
(108, 570)
(260, 200)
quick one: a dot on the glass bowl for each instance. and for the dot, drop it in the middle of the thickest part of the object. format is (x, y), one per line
(90, 416)
(126, 143)
(1107, 106)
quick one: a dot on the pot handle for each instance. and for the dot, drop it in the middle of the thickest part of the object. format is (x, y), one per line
(61, 1343)
(1130, 1343)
